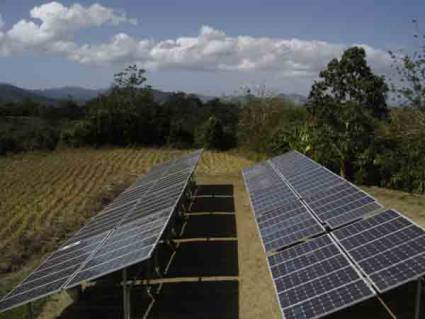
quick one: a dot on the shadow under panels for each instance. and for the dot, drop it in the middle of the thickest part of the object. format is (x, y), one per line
(208, 226)
(205, 258)
(213, 204)
(195, 300)
(214, 190)
(191, 300)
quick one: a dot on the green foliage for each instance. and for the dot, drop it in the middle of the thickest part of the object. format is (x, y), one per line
(211, 135)
(128, 114)
(401, 158)
(345, 106)
(259, 120)
(18, 134)
(411, 70)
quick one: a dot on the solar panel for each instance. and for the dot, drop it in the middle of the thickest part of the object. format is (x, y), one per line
(53, 274)
(315, 279)
(127, 245)
(333, 200)
(388, 247)
(282, 218)
(124, 233)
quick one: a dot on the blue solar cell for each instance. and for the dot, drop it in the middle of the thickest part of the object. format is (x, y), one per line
(389, 248)
(314, 279)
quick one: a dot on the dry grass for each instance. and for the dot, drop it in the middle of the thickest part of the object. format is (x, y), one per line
(45, 196)
(411, 205)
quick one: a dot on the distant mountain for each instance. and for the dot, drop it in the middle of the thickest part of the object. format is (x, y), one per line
(297, 99)
(77, 94)
(11, 93)
(294, 98)
(53, 96)
(162, 96)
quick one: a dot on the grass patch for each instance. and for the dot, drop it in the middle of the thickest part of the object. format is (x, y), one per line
(412, 205)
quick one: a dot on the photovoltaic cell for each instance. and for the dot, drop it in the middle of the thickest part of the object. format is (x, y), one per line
(388, 247)
(125, 232)
(315, 279)
(53, 273)
(332, 199)
(312, 276)
(282, 218)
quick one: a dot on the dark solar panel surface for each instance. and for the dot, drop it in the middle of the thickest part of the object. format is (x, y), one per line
(314, 279)
(388, 247)
(281, 217)
(333, 200)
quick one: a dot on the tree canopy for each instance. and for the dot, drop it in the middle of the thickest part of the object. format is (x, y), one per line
(344, 105)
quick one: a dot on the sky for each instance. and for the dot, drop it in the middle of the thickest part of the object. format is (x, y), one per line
(207, 47)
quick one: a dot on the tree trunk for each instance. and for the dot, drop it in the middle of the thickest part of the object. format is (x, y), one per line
(346, 169)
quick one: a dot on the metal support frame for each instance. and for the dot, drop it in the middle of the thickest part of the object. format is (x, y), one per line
(126, 295)
(29, 310)
(156, 266)
(153, 266)
(418, 298)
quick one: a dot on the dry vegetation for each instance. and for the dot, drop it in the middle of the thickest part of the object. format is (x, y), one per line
(411, 205)
(45, 196)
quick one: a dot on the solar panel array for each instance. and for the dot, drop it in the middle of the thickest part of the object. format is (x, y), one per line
(281, 217)
(124, 233)
(388, 247)
(315, 278)
(333, 200)
(362, 251)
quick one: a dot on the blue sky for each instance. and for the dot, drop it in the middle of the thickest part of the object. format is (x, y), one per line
(210, 47)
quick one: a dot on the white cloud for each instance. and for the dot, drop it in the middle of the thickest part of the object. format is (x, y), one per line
(213, 50)
(53, 26)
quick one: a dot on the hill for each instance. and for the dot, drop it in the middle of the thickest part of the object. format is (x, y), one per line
(78, 94)
(296, 99)
(53, 96)
(11, 93)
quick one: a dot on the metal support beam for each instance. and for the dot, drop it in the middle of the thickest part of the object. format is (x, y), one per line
(418, 299)
(30, 311)
(126, 295)
(156, 265)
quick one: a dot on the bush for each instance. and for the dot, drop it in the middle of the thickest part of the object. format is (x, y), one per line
(211, 134)
(19, 134)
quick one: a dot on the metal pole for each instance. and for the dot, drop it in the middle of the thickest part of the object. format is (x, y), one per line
(126, 295)
(30, 312)
(418, 299)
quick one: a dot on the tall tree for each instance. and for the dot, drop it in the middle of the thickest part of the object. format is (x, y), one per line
(411, 70)
(212, 134)
(344, 106)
